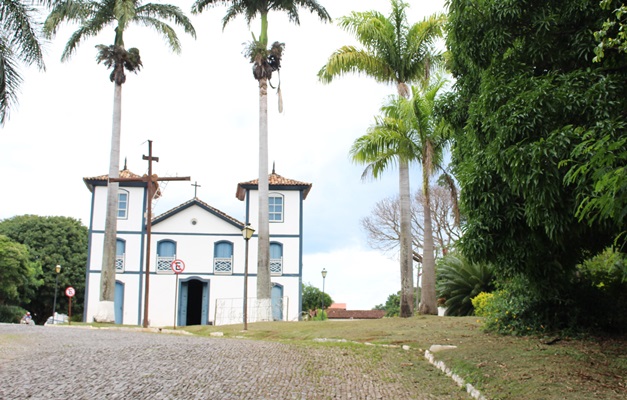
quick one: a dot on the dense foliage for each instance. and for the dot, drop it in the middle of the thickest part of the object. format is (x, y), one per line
(18, 274)
(392, 305)
(539, 145)
(313, 298)
(458, 281)
(51, 241)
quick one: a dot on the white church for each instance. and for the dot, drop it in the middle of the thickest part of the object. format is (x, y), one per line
(210, 247)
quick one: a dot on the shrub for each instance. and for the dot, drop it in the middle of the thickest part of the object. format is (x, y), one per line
(481, 302)
(11, 314)
(459, 281)
(321, 315)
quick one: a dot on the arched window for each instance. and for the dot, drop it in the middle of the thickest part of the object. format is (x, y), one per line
(275, 202)
(166, 253)
(223, 257)
(276, 258)
(120, 254)
(122, 204)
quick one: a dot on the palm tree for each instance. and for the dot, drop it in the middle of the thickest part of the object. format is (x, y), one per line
(93, 17)
(393, 140)
(18, 43)
(265, 61)
(432, 137)
(394, 52)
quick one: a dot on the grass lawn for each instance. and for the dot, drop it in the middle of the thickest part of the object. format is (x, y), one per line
(501, 367)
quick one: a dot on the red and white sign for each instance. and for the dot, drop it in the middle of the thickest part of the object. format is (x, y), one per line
(70, 292)
(177, 266)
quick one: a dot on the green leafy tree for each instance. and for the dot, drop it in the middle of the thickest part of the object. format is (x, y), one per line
(392, 305)
(93, 17)
(51, 241)
(459, 281)
(265, 61)
(612, 36)
(313, 298)
(529, 104)
(19, 43)
(19, 276)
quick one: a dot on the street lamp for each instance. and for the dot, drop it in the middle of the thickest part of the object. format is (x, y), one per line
(247, 232)
(56, 285)
(324, 275)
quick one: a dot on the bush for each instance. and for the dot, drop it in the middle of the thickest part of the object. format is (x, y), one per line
(459, 281)
(321, 315)
(11, 314)
(481, 302)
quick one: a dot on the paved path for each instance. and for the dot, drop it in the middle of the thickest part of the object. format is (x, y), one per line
(38, 362)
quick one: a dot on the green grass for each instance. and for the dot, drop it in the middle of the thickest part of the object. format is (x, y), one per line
(501, 367)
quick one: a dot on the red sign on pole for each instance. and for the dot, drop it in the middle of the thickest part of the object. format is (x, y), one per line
(70, 292)
(177, 266)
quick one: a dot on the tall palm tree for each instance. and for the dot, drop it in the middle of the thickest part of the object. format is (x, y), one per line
(265, 61)
(398, 53)
(19, 42)
(393, 51)
(432, 136)
(92, 17)
(390, 141)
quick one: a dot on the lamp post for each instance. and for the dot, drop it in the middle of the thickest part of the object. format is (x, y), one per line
(247, 232)
(56, 285)
(324, 275)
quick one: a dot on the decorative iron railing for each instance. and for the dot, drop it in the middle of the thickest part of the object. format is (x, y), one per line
(223, 265)
(164, 264)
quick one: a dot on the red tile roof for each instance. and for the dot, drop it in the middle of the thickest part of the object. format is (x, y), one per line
(124, 174)
(273, 180)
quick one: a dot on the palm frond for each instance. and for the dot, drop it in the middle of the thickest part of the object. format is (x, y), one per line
(10, 81)
(19, 34)
(167, 12)
(164, 29)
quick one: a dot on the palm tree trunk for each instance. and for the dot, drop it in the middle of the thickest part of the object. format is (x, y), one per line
(428, 303)
(105, 311)
(263, 235)
(407, 278)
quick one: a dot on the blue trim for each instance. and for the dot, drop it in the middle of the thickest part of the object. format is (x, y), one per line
(88, 266)
(141, 273)
(121, 232)
(195, 234)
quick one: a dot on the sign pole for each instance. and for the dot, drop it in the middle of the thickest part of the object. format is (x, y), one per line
(69, 292)
(176, 294)
(177, 267)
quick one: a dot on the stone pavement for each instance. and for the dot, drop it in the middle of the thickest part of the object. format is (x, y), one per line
(55, 362)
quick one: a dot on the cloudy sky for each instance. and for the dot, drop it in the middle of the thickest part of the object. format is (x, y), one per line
(200, 109)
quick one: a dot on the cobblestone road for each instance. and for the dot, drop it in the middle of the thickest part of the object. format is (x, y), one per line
(38, 362)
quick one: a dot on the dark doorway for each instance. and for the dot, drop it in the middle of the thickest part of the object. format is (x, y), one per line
(194, 302)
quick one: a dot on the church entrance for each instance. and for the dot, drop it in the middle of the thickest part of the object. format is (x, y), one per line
(193, 302)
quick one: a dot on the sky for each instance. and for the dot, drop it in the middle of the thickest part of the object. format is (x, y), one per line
(200, 109)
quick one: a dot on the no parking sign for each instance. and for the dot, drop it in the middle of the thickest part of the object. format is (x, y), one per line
(177, 266)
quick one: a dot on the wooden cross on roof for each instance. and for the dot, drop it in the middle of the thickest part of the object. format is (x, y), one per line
(151, 181)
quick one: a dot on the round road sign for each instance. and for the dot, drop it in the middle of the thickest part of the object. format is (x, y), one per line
(177, 266)
(70, 292)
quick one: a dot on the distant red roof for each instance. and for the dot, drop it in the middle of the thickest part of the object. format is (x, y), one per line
(341, 306)
(354, 314)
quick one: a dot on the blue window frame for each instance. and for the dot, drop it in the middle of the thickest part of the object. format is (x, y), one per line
(122, 204)
(223, 257)
(276, 258)
(120, 254)
(166, 253)
(275, 202)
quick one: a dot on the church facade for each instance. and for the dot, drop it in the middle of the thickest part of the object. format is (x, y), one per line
(207, 245)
